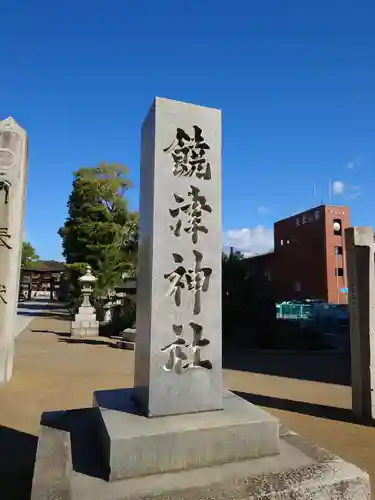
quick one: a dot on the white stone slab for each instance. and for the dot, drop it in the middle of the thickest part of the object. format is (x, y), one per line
(13, 172)
(179, 252)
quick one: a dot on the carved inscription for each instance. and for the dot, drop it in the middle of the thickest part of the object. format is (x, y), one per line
(195, 279)
(5, 186)
(189, 159)
(189, 154)
(3, 293)
(6, 158)
(4, 238)
(184, 355)
(192, 210)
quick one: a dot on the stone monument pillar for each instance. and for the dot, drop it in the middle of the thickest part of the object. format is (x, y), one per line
(13, 174)
(85, 323)
(177, 434)
(361, 275)
(178, 355)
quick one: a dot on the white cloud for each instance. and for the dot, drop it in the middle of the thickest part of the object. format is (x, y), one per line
(355, 163)
(355, 192)
(250, 241)
(338, 187)
(263, 210)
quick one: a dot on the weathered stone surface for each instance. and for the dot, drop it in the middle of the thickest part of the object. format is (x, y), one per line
(135, 445)
(53, 466)
(299, 472)
(129, 334)
(361, 275)
(13, 173)
(178, 351)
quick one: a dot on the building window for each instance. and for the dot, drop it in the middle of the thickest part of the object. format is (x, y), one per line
(297, 286)
(298, 221)
(338, 250)
(317, 214)
(339, 271)
(337, 227)
(304, 219)
(281, 242)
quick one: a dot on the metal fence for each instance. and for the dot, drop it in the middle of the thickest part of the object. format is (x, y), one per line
(315, 311)
(294, 310)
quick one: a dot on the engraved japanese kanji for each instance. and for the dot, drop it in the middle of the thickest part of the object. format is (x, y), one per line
(4, 238)
(189, 154)
(3, 292)
(192, 211)
(195, 279)
(180, 349)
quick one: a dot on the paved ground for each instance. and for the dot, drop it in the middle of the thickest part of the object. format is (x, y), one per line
(29, 310)
(54, 372)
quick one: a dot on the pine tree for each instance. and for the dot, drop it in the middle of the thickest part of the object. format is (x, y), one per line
(100, 230)
(29, 255)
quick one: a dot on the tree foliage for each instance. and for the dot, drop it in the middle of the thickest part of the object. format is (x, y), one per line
(100, 230)
(29, 255)
(248, 303)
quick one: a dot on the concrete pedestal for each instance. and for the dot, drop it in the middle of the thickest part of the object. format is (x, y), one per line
(134, 445)
(74, 458)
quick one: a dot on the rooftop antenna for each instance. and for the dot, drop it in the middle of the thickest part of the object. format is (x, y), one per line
(330, 192)
(314, 190)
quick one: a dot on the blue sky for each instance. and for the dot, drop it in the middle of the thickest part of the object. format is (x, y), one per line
(295, 81)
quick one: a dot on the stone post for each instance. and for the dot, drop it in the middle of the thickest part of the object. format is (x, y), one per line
(13, 174)
(85, 323)
(360, 268)
(178, 346)
(236, 451)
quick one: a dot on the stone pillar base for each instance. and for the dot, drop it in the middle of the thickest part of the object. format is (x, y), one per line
(298, 470)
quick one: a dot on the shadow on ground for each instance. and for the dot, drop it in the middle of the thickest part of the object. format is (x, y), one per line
(317, 366)
(39, 305)
(312, 409)
(59, 334)
(87, 341)
(48, 315)
(17, 458)
(43, 309)
(82, 425)
(67, 339)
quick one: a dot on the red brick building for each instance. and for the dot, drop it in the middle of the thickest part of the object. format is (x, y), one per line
(309, 256)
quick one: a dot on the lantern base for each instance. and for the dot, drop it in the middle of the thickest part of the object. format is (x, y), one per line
(85, 323)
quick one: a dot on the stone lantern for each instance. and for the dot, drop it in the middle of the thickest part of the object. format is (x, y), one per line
(85, 323)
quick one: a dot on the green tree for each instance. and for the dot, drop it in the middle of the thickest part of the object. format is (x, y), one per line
(100, 230)
(248, 303)
(29, 255)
